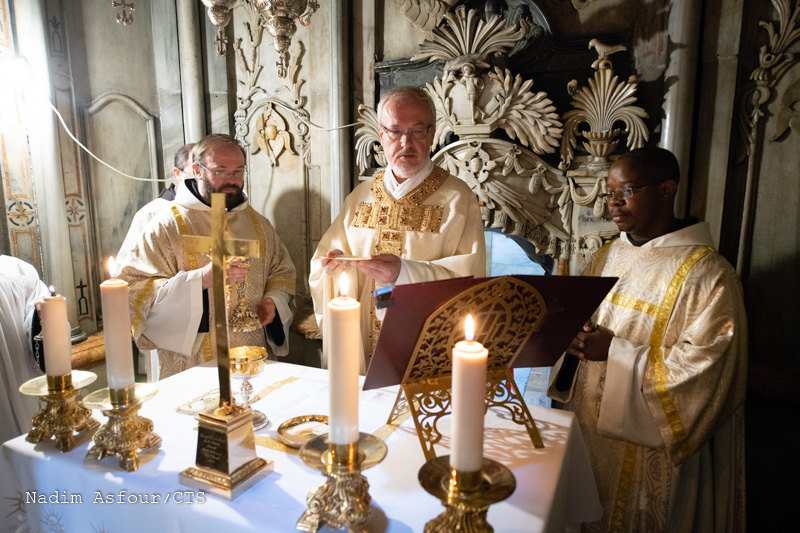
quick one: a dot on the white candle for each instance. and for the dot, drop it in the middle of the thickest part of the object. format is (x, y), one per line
(55, 333)
(117, 330)
(343, 336)
(469, 402)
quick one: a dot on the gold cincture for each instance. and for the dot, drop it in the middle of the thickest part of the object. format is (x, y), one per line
(62, 415)
(343, 500)
(126, 432)
(466, 496)
(509, 311)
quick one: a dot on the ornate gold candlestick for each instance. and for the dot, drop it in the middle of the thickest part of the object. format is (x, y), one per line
(62, 415)
(125, 432)
(343, 500)
(465, 495)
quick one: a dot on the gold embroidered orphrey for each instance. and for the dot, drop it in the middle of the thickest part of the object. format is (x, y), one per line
(507, 311)
(392, 218)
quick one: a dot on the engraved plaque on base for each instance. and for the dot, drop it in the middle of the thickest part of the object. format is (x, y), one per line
(226, 463)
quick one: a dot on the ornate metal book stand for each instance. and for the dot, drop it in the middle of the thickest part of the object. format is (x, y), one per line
(508, 311)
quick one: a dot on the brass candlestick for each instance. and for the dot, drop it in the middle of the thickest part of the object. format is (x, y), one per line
(466, 496)
(343, 500)
(125, 432)
(62, 415)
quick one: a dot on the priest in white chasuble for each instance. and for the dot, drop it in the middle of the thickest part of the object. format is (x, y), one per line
(20, 289)
(169, 288)
(659, 386)
(413, 222)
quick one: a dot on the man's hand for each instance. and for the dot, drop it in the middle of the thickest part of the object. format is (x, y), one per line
(235, 273)
(383, 268)
(266, 311)
(332, 267)
(591, 344)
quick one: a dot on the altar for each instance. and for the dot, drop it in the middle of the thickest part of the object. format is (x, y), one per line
(46, 490)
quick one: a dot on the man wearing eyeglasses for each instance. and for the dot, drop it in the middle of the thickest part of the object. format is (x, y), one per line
(657, 377)
(413, 222)
(169, 288)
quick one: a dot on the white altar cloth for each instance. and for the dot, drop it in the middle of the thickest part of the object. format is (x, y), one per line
(555, 486)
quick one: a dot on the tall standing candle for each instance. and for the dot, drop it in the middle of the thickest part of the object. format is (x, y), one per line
(55, 333)
(469, 402)
(343, 335)
(117, 330)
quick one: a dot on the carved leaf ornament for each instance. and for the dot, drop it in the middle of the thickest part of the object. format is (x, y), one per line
(601, 105)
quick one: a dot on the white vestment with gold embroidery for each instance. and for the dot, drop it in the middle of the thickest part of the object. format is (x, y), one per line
(166, 284)
(436, 229)
(663, 418)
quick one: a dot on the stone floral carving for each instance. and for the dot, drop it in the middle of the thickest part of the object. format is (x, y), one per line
(523, 115)
(601, 105)
(468, 38)
(425, 14)
(368, 142)
(271, 135)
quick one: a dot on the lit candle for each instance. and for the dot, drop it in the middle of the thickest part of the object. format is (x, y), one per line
(343, 335)
(55, 333)
(117, 330)
(469, 402)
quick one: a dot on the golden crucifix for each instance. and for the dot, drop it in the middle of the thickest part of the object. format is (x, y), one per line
(219, 248)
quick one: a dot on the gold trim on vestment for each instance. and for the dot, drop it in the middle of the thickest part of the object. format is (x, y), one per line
(624, 488)
(191, 259)
(662, 314)
(656, 338)
(392, 218)
(632, 303)
(138, 303)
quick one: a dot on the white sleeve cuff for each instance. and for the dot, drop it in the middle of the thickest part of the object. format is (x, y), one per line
(176, 313)
(624, 413)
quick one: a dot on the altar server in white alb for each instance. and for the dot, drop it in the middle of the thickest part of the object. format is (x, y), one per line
(659, 388)
(20, 288)
(413, 221)
(169, 288)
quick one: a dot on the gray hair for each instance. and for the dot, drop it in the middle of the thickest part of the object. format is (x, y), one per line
(410, 95)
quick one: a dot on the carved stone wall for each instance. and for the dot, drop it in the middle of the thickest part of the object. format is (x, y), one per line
(500, 135)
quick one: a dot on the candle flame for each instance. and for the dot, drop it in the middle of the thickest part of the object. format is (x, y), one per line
(52, 290)
(344, 284)
(469, 328)
(112, 267)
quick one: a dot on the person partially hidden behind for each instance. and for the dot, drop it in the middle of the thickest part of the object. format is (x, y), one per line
(20, 289)
(659, 387)
(412, 222)
(169, 294)
(181, 171)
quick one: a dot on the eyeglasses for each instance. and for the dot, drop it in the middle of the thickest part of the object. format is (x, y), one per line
(239, 173)
(414, 134)
(626, 193)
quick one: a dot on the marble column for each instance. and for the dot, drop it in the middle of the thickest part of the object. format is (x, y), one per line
(340, 105)
(46, 169)
(683, 28)
(189, 29)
